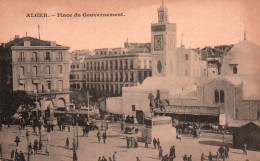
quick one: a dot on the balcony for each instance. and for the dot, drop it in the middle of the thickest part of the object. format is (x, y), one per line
(34, 59)
(47, 59)
(21, 59)
(59, 59)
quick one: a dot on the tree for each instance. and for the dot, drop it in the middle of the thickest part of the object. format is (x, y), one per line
(10, 101)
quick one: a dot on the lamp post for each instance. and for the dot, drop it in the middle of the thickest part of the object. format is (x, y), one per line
(224, 128)
(77, 135)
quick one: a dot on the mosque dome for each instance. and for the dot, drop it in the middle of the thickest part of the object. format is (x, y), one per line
(242, 59)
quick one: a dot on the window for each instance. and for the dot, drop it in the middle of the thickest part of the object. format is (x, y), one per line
(22, 70)
(222, 96)
(34, 56)
(186, 57)
(186, 72)
(71, 77)
(126, 64)
(47, 56)
(35, 70)
(48, 69)
(78, 86)
(77, 66)
(133, 107)
(216, 96)
(106, 65)
(49, 84)
(116, 64)
(21, 57)
(111, 65)
(121, 64)
(60, 84)
(73, 66)
(87, 66)
(132, 77)
(59, 56)
(60, 69)
(145, 64)
(132, 64)
(111, 77)
(126, 77)
(235, 70)
(84, 76)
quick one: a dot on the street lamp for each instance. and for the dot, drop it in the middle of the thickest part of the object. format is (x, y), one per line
(77, 135)
(224, 128)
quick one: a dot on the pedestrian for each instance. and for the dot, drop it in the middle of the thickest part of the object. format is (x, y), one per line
(146, 142)
(160, 152)
(21, 156)
(1, 154)
(109, 159)
(226, 151)
(35, 146)
(195, 135)
(165, 158)
(138, 159)
(154, 142)
(185, 157)
(68, 128)
(114, 156)
(127, 142)
(173, 151)
(12, 155)
(67, 143)
(16, 155)
(202, 158)
(99, 159)
(27, 135)
(221, 151)
(40, 145)
(190, 158)
(104, 136)
(47, 149)
(244, 149)
(30, 148)
(104, 159)
(210, 157)
(17, 140)
(158, 143)
(98, 136)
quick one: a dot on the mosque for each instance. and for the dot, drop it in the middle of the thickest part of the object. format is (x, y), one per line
(232, 96)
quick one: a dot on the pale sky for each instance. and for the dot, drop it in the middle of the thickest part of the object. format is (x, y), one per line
(202, 22)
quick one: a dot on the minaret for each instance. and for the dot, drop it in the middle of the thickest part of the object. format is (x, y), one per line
(163, 44)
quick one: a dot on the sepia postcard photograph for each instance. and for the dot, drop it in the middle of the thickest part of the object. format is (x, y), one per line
(130, 80)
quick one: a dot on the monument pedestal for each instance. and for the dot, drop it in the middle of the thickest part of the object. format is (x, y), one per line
(159, 127)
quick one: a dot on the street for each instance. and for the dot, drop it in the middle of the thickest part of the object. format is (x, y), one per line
(90, 150)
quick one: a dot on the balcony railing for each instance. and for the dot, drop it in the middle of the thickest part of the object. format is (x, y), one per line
(34, 59)
(59, 59)
(47, 59)
(21, 59)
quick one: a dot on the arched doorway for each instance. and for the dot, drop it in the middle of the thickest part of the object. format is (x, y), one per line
(61, 103)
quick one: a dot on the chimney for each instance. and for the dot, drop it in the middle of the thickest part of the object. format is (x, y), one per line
(16, 36)
(53, 43)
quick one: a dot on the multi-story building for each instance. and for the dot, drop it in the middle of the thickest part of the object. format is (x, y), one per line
(41, 68)
(214, 56)
(110, 69)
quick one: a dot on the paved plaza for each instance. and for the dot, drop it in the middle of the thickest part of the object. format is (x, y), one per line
(90, 150)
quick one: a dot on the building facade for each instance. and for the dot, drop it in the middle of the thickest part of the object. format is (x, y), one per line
(41, 68)
(110, 69)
